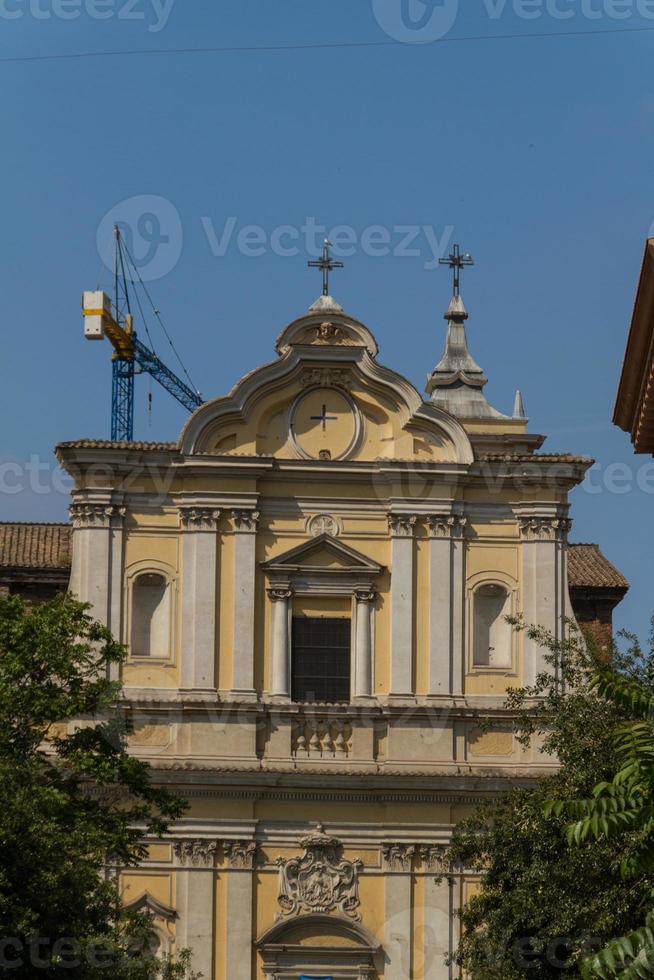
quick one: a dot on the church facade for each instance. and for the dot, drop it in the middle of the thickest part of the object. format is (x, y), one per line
(313, 583)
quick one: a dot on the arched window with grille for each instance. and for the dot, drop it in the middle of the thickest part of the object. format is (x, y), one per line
(492, 643)
(150, 632)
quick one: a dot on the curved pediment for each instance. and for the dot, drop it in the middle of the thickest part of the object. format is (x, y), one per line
(326, 397)
(317, 929)
(326, 329)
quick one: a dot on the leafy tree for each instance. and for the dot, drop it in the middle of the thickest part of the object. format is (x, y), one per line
(70, 795)
(620, 813)
(543, 907)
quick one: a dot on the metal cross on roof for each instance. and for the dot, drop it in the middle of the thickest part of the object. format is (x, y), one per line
(326, 263)
(456, 262)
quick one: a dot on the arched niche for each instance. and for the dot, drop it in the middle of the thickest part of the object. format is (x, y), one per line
(319, 945)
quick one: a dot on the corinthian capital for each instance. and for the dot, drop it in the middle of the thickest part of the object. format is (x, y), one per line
(86, 515)
(540, 528)
(240, 853)
(402, 525)
(433, 857)
(199, 518)
(446, 525)
(195, 853)
(246, 520)
(398, 857)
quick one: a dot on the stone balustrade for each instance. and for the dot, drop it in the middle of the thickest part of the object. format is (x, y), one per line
(321, 735)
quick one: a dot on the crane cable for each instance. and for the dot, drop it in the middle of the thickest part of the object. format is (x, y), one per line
(158, 316)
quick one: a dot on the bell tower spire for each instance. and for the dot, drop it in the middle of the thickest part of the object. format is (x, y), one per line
(457, 382)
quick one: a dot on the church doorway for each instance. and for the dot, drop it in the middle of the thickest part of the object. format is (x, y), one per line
(319, 947)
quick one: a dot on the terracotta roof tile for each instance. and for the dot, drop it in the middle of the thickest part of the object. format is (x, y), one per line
(588, 568)
(533, 458)
(112, 444)
(35, 545)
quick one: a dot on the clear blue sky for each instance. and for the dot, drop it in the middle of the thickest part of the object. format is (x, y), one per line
(534, 152)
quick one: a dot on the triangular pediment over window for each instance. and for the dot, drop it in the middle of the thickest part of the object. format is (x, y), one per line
(323, 554)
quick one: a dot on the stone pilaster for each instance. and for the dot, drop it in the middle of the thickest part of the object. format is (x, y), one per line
(195, 901)
(396, 859)
(97, 563)
(245, 540)
(401, 527)
(438, 898)
(446, 603)
(199, 601)
(241, 859)
(543, 546)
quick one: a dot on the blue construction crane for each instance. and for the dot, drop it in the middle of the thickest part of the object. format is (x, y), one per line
(130, 355)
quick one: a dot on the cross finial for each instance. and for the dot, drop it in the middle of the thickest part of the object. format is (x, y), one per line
(326, 263)
(456, 262)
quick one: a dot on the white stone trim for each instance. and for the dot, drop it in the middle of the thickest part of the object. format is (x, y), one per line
(245, 542)
(199, 598)
(402, 527)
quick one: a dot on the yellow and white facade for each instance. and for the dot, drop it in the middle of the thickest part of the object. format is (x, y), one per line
(324, 490)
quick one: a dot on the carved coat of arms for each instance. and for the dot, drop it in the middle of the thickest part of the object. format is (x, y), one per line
(320, 880)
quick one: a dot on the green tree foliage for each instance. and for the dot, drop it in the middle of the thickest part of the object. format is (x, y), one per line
(620, 814)
(544, 907)
(70, 796)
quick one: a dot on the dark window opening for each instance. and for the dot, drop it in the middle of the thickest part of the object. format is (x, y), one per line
(321, 659)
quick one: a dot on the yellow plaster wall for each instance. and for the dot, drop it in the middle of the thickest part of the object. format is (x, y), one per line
(494, 558)
(153, 542)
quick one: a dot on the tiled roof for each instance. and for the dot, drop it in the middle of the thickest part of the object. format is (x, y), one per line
(35, 545)
(111, 444)
(589, 569)
(534, 458)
